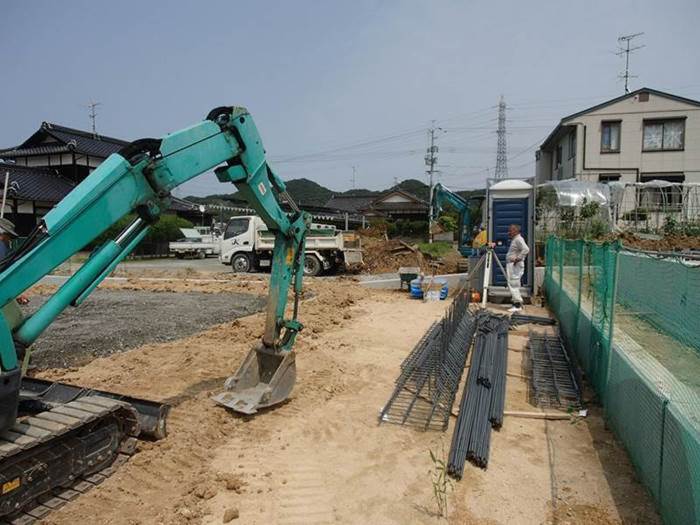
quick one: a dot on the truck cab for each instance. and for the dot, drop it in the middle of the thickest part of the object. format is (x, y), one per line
(238, 242)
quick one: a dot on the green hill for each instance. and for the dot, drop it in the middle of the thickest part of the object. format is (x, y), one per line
(309, 193)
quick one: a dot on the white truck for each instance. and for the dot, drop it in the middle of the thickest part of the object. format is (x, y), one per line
(247, 246)
(198, 242)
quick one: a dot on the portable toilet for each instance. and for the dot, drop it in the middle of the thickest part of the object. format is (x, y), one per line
(510, 201)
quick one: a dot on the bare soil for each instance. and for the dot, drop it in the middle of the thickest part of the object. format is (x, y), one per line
(668, 243)
(117, 320)
(322, 457)
(384, 256)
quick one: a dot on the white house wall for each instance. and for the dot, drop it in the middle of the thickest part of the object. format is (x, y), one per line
(632, 113)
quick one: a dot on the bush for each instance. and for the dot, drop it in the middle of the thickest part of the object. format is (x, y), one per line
(448, 223)
(165, 230)
(436, 249)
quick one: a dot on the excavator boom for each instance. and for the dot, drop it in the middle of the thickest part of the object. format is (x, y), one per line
(136, 181)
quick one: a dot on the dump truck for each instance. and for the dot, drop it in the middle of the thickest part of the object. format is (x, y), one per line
(196, 242)
(247, 246)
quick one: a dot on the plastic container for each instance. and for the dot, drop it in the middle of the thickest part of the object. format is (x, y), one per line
(439, 283)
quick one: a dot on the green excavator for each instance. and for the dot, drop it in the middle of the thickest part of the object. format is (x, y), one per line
(56, 438)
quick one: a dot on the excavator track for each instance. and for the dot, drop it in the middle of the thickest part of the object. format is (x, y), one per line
(49, 458)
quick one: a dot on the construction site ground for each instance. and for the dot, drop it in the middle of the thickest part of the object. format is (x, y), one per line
(322, 457)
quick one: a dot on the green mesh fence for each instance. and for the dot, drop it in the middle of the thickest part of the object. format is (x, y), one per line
(672, 308)
(631, 320)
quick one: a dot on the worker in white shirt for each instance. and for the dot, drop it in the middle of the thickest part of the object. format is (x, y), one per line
(515, 265)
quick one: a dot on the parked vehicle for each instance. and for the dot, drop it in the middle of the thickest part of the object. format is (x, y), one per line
(247, 246)
(198, 242)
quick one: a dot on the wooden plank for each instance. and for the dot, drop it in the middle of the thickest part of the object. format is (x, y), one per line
(536, 415)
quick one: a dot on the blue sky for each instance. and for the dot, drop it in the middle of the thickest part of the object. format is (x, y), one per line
(335, 84)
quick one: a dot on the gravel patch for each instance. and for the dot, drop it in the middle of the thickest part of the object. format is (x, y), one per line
(111, 321)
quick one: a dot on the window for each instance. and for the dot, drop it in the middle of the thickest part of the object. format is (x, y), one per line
(667, 196)
(664, 135)
(610, 137)
(236, 227)
(608, 177)
(572, 144)
(643, 97)
(557, 156)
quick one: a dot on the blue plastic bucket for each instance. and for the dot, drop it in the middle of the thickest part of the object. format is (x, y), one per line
(417, 291)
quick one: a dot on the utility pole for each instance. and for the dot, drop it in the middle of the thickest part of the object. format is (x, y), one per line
(93, 116)
(625, 49)
(431, 161)
(501, 148)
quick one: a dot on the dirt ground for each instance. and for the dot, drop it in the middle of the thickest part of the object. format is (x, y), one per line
(322, 457)
(116, 320)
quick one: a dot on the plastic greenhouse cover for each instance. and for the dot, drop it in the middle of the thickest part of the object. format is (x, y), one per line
(572, 192)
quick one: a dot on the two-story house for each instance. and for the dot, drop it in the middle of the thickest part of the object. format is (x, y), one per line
(638, 137)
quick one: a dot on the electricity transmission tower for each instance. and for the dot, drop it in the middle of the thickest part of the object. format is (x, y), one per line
(93, 116)
(625, 49)
(354, 176)
(501, 149)
(431, 162)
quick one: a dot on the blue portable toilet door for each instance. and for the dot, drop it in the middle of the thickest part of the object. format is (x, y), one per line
(506, 212)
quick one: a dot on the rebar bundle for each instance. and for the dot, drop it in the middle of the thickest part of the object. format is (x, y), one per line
(554, 382)
(427, 385)
(483, 398)
(519, 318)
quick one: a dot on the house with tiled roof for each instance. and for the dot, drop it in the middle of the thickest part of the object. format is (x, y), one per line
(71, 152)
(31, 193)
(394, 204)
(49, 164)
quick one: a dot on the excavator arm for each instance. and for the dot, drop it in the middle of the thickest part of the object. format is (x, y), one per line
(442, 196)
(138, 180)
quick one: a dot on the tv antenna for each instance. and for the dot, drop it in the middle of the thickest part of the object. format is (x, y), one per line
(625, 49)
(93, 116)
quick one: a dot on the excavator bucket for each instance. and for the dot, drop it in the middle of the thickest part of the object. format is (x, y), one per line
(263, 380)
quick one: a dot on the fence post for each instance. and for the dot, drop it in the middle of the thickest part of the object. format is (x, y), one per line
(561, 269)
(581, 244)
(615, 250)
